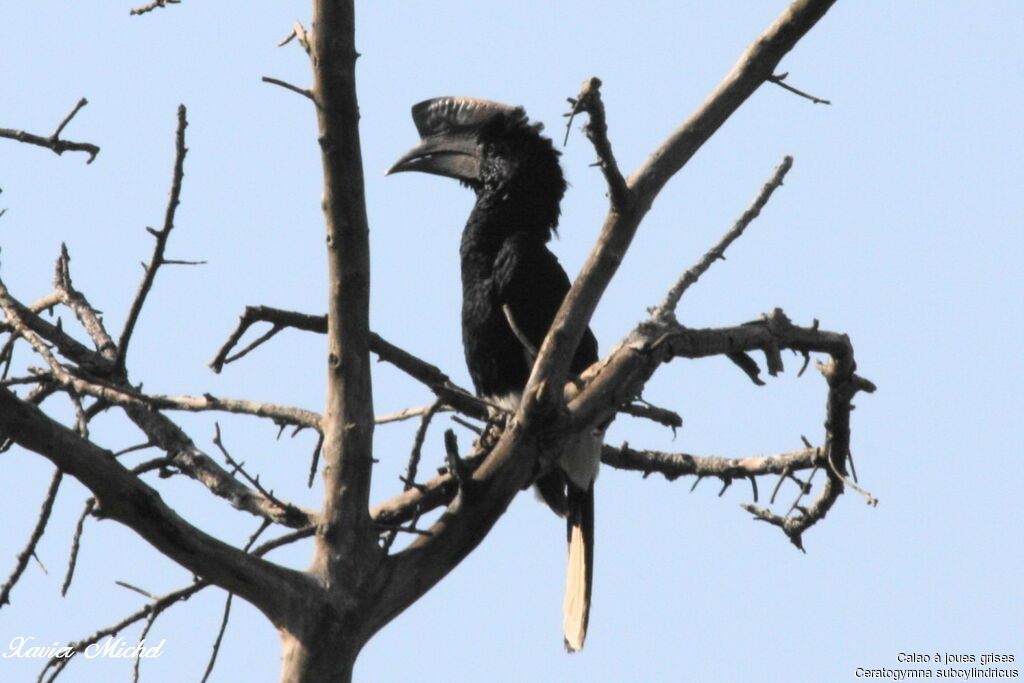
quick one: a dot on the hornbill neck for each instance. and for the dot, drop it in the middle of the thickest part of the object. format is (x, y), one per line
(526, 203)
(496, 219)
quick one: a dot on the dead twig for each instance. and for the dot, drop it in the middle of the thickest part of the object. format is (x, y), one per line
(408, 413)
(596, 129)
(220, 637)
(663, 416)
(152, 6)
(88, 316)
(665, 311)
(54, 142)
(140, 591)
(777, 80)
(420, 370)
(288, 508)
(76, 541)
(288, 86)
(315, 460)
(417, 447)
(37, 533)
(157, 259)
(58, 663)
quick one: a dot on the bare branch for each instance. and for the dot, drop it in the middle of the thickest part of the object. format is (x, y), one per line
(624, 372)
(137, 659)
(86, 314)
(407, 414)
(30, 548)
(157, 606)
(161, 603)
(777, 80)
(25, 322)
(54, 142)
(160, 430)
(18, 322)
(33, 379)
(287, 39)
(666, 310)
(136, 589)
(161, 238)
(126, 498)
(125, 397)
(303, 36)
(76, 542)
(67, 119)
(279, 318)
(417, 447)
(662, 416)
(315, 460)
(420, 370)
(589, 100)
(675, 465)
(288, 86)
(220, 637)
(192, 461)
(288, 508)
(435, 493)
(281, 415)
(152, 6)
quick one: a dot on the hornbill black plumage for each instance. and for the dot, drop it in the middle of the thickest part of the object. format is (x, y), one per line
(512, 287)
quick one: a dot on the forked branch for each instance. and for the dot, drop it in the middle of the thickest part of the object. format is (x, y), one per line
(53, 141)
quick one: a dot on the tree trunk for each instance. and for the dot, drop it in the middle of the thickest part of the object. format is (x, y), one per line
(325, 653)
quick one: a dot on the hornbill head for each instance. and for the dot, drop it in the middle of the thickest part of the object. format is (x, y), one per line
(489, 146)
(449, 129)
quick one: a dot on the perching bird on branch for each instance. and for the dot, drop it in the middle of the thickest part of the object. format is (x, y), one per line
(512, 287)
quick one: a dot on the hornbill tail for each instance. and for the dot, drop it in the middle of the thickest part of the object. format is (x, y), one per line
(579, 575)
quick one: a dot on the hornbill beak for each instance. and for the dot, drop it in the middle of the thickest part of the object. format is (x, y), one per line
(452, 156)
(448, 128)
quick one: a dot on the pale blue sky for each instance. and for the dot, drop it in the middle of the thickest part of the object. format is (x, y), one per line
(899, 225)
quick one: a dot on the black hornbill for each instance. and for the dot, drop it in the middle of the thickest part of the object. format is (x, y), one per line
(512, 287)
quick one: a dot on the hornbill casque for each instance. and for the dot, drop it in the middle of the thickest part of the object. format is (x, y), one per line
(512, 287)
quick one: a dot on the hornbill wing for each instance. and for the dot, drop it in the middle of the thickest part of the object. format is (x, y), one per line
(530, 286)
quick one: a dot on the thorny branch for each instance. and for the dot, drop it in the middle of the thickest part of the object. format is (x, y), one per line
(53, 141)
(675, 465)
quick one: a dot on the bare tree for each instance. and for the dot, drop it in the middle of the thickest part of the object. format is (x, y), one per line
(357, 582)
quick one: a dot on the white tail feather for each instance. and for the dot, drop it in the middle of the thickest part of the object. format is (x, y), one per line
(576, 605)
